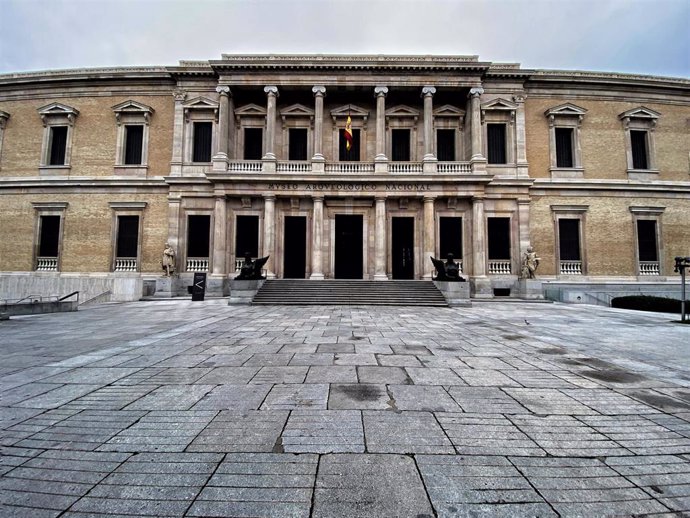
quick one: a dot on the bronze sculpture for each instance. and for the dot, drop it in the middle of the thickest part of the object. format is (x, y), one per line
(251, 270)
(448, 271)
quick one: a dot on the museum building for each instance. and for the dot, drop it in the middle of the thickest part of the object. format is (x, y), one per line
(342, 167)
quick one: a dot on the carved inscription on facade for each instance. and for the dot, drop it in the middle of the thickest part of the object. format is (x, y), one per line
(350, 186)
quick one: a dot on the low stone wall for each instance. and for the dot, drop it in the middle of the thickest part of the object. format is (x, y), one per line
(35, 308)
(601, 293)
(456, 293)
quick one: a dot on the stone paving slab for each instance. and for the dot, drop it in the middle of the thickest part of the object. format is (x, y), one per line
(174, 408)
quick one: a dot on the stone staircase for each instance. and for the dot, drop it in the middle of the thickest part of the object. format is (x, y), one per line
(346, 292)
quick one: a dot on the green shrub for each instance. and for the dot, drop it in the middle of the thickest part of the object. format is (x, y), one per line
(649, 303)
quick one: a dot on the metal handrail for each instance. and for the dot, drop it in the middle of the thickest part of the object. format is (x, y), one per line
(68, 296)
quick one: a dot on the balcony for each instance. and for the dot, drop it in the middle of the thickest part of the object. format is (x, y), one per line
(350, 167)
(571, 268)
(197, 264)
(649, 268)
(125, 264)
(499, 266)
(46, 264)
(307, 167)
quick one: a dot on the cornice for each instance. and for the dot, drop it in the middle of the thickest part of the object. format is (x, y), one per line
(580, 76)
(81, 74)
(610, 185)
(79, 181)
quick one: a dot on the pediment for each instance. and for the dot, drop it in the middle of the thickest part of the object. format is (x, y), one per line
(640, 112)
(200, 103)
(57, 109)
(566, 110)
(402, 110)
(297, 110)
(251, 110)
(499, 104)
(132, 107)
(448, 110)
(349, 109)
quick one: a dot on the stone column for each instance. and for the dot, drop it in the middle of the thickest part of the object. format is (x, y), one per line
(478, 237)
(269, 234)
(523, 226)
(319, 94)
(174, 205)
(429, 238)
(428, 95)
(317, 237)
(220, 158)
(521, 139)
(271, 95)
(380, 240)
(219, 235)
(178, 133)
(478, 160)
(380, 93)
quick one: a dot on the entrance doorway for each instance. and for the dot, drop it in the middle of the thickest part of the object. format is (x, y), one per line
(348, 246)
(295, 247)
(402, 247)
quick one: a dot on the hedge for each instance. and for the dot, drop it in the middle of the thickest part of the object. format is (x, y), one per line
(649, 303)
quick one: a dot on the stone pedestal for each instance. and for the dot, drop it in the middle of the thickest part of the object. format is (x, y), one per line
(217, 286)
(165, 287)
(456, 293)
(242, 292)
(481, 288)
(530, 289)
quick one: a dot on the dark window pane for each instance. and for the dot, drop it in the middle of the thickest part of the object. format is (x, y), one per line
(253, 143)
(564, 147)
(247, 236)
(127, 236)
(58, 145)
(499, 238)
(203, 135)
(638, 143)
(49, 236)
(496, 143)
(298, 144)
(646, 240)
(400, 145)
(450, 237)
(445, 145)
(134, 136)
(569, 239)
(353, 154)
(198, 228)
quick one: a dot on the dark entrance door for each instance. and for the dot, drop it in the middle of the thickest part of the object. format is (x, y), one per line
(295, 247)
(348, 246)
(402, 248)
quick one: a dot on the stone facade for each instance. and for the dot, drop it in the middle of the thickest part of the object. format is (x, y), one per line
(100, 168)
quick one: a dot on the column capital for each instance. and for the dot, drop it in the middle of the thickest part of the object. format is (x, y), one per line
(428, 91)
(317, 197)
(223, 90)
(476, 91)
(271, 90)
(380, 198)
(319, 90)
(477, 198)
(179, 95)
(380, 91)
(428, 198)
(269, 197)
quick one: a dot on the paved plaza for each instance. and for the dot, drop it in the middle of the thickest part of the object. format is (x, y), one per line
(175, 408)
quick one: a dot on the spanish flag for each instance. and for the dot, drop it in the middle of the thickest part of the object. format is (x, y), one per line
(348, 133)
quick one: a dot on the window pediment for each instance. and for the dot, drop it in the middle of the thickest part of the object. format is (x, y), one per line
(402, 110)
(54, 111)
(349, 109)
(296, 110)
(566, 110)
(640, 115)
(132, 108)
(198, 104)
(251, 110)
(448, 110)
(499, 104)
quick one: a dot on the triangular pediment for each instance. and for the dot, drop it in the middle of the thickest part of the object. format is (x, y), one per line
(349, 109)
(566, 110)
(297, 110)
(402, 110)
(57, 109)
(499, 104)
(132, 107)
(251, 110)
(201, 103)
(448, 110)
(640, 112)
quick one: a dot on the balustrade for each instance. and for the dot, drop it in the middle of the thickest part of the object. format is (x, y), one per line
(454, 167)
(125, 264)
(649, 268)
(293, 167)
(500, 267)
(197, 264)
(46, 264)
(350, 167)
(405, 167)
(245, 166)
(571, 268)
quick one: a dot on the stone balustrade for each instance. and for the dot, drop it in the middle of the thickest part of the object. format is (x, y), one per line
(125, 264)
(649, 268)
(46, 264)
(500, 267)
(405, 167)
(197, 264)
(571, 268)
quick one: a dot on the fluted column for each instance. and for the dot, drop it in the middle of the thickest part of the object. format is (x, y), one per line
(271, 96)
(317, 236)
(429, 237)
(478, 237)
(219, 234)
(380, 93)
(269, 234)
(428, 95)
(380, 240)
(319, 94)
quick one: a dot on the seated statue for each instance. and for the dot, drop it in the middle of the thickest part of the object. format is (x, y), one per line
(448, 271)
(251, 270)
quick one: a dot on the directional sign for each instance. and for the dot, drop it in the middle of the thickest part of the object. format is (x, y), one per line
(199, 286)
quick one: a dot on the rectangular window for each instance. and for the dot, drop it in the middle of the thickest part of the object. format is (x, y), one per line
(496, 143)
(564, 147)
(198, 230)
(297, 144)
(569, 239)
(253, 143)
(353, 155)
(247, 237)
(134, 138)
(58, 145)
(499, 238)
(127, 236)
(49, 237)
(203, 136)
(638, 144)
(445, 145)
(400, 145)
(450, 237)
(646, 240)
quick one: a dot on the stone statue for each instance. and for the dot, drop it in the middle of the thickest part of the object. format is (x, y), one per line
(251, 270)
(168, 260)
(530, 264)
(448, 271)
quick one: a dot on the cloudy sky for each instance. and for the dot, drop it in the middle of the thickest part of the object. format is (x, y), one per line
(636, 36)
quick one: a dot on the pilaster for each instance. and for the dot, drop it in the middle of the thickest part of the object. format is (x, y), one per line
(219, 236)
(429, 237)
(380, 240)
(317, 239)
(178, 133)
(269, 234)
